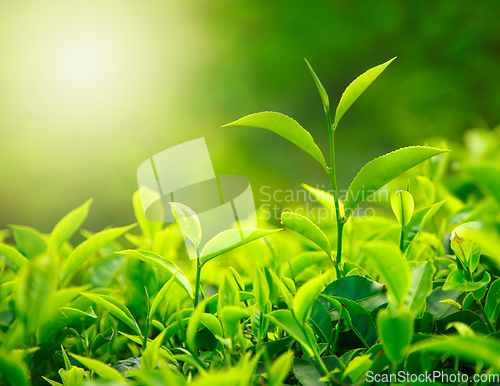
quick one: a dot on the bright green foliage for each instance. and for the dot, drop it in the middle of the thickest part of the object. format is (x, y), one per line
(396, 332)
(387, 262)
(287, 128)
(380, 171)
(188, 221)
(322, 303)
(306, 228)
(402, 205)
(356, 88)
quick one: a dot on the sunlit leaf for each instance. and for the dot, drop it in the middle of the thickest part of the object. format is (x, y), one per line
(378, 172)
(217, 246)
(285, 127)
(396, 332)
(306, 228)
(356, 88)
(67, 227)
(102, 369)
(402, 205)
(164, 265)
(116, 308)
(90, 246)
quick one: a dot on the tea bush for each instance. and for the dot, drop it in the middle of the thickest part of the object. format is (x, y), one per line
(411, 292)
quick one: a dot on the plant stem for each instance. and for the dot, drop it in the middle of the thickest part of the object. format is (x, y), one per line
(198, 274)
(402, 239)
(480, 305)
(333, 179)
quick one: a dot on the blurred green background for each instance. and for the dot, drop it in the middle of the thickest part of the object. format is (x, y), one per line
(89, 90)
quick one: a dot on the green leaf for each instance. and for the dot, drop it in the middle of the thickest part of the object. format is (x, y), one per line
(72, 377)
(150, 355)
(159, 297)
(13, 255)
(149, 228)
(102, 339)
(325, 199)
(102, 369)
(115, 308)
(322, 92)
(418, 221)
(306, 228)
(305, 297)
(457, 281)
(358, 318)
(188, 222)
(51, 382)
(212, 323)
(306, 373)
(357, 367)
(285, 320)
(230, 317)
(67, 227)
(90, 246)
(28, 240)
(463, 246)
(388, 262)
(396, 332)
(356, 88)
(285, 127)
(213, 249)
(491, 307)
(13, 368)
(163, 265)
(279, 369)
(378, 172)
(475, 349)
(421, 285)
(261, 289)
(402, 205)
(193, 324)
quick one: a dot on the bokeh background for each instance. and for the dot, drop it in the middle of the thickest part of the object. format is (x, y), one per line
(91, 89)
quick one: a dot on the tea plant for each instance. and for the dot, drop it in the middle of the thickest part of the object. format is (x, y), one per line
(349, 301)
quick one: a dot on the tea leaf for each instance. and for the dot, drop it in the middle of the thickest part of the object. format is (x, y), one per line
(280, 369)
(188, 222)
(402, 205)
(305, 297)
(457, 281)
(90, 246)
(306, 228)
(396, 332)
(13, 255)
(28, 240)
(421, 285)
(67, 227)
(475, 349)
(150, 355)
(163, 265)
(13, 368)
(159, 297)
(102, 369)
(378, 172)
(356, 88)
(325, 199)
(285, 319)
(388, 262)
(285, 127)
(322, 92)
(212, 248)
(116, 308)
(492, 306)
(149, 228)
